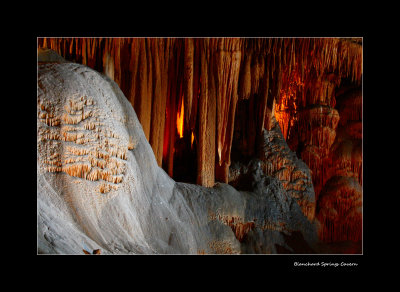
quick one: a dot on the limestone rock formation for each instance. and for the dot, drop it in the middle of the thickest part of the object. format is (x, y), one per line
(99, 186)
(276, 160)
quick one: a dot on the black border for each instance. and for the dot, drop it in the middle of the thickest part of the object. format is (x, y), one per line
(265, 263)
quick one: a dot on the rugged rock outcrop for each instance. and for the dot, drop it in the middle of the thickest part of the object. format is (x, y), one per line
(276, 160)
(100, 187)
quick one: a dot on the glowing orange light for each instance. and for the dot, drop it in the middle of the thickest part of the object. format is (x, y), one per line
(191, 141)
(179, 121)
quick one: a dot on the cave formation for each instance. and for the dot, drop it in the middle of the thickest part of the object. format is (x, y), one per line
(224, 110)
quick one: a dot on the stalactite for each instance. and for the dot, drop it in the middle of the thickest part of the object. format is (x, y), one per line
(133, 65)
(143, 100)
(149, 97)
(188, 78)
(171, 117)
(84, 53)
(92, 53)
(196, 84)
(245, 82)
(211, 127)
(258, 71)
(108, 61)
(206, 140)
(117, 60)
(227, 71)
(158, 106)
(222, 110)
(227, 86)
(264, 101)
(180, 117)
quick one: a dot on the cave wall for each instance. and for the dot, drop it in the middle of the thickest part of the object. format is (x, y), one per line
(323, 124)
(339, 207)
(200, 100)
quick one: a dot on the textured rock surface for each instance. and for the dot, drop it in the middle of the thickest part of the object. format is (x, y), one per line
(339, 208)
(99, 185)
(276, 160)
(325, 129)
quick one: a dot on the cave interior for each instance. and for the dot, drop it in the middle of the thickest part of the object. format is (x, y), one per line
(206, 103)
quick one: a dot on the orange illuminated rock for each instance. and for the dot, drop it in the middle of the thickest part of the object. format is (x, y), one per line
(207, 125)
(350, 106)
(340, 210)
(340, 203)
(179, 120)
(90, 149)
